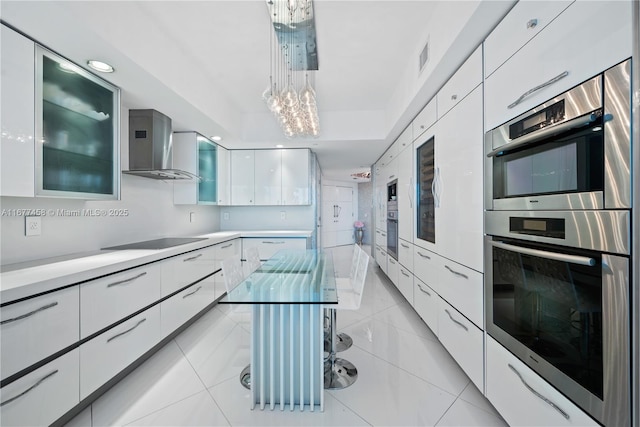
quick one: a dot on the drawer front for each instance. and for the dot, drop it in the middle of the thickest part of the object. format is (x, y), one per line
(404, 140)
(468, 76)
(463, 288)
(109, 299)
(425, 119)
(49, 392)
(393, 270)
(267, 247)
(405, 284)
(425, 266)
(110, 352)
(227, 250)
(381, 238)
(405, 254)
(36, 328)
(517, 403)
(523, 22)
(388, 157)
(426, 304)
(463, 340)
(178, 309)
(605, 27)
(187, 268)
(381, 258)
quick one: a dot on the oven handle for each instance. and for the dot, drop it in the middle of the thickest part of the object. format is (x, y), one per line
(573, 259)
(546, 132)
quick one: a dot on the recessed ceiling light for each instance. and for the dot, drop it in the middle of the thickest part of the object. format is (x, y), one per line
(216, 138)
(103, 67)
(279, 146)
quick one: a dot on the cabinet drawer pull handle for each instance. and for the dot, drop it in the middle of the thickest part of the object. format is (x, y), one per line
(384, 234)
(423, 255)
(538, 395)
(404, 246)
(391, 261)
(537, 88)
(273, 243)
(404, 273)
(456, 273)
(226, 246)
(192, 258)
(532, 23)
(454, 97)
(421, 126)
(420, 287)
(40, 381)
(191, 293)
(391, 176)
(31, 313)
(141, 321)
(455, 321)
(129, 280)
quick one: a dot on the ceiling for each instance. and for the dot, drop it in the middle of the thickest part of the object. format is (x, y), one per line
(206, 64)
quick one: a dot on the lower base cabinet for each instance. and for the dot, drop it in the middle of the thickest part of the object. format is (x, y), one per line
(425, 302)
(381, 258)
(405, 284)
(523, 397)
(42, 396)
(104, 356)
(393, 270)
(181, 307)
(463, 340)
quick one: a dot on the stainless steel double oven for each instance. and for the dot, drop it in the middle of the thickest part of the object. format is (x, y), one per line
(558, 242)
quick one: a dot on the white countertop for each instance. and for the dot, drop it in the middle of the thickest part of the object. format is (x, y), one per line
(25, 279)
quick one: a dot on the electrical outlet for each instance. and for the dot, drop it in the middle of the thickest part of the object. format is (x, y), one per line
(225, 216)
(283, 215)
(192, 217)
(32, 225)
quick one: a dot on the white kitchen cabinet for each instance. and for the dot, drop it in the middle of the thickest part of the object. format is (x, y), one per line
(426, 303)
(425, 266)
(268, 177)
(393, 270)
(224, 176)
(463, 340)
(196, 154)
(463, 81)
(405, 194)
(224, 250)
(522, 397)
(405, 284)
(405, 254)
(424, 119)
(381, 239)
(463, 288)
(381, 203)
(584, 40)
(522, 23)
(43, 395)
(17, 161)
(267, 247)
(110, 352)
(181, 307)
(106, 300)
(184, 269)
(381, 258)
(295, 177)
(459, 213)
(243, 177)
(404, 140)
(35, 328)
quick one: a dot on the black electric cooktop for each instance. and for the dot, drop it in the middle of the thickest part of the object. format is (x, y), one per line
(163, 243)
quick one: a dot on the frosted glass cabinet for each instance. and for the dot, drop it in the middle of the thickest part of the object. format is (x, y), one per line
(77, 131)
(198, 155)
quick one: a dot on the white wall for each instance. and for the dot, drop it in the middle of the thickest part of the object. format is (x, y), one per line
(267, 218)
(151, 214)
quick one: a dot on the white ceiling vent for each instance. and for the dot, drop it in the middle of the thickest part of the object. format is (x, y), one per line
(424, 56)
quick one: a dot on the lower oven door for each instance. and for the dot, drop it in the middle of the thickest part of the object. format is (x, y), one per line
(564, 312)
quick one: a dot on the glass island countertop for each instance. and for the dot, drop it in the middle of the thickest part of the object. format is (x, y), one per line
(289, 277)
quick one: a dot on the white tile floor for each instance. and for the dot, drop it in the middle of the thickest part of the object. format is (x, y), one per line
(405, 377)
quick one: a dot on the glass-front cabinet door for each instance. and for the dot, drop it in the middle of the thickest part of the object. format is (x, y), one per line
(77, 128)
(207, 168)
(426, 224)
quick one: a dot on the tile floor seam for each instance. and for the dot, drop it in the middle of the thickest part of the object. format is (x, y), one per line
(445, 412)
(331, 393)
(218, 405)
(160, 409)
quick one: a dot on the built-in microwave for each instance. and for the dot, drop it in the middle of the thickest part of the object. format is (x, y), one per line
(570, 153)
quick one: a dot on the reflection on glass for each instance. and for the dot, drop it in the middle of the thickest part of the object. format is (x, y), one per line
(78, 131)
(425, 156)
(207, 168)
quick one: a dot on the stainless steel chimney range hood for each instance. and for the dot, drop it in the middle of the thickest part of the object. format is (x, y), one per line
(151, 147)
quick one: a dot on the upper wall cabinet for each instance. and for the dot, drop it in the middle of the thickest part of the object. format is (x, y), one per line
(224, 176)
(198, 155)
(468, 76)
(584, 40)
(270, 177)
(424, 119)
(18, 95)
(65, 140)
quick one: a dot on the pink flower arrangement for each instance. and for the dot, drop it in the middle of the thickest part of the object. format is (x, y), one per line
(358, 224)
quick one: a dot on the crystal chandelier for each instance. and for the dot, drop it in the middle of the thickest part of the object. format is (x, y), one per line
(294, 60)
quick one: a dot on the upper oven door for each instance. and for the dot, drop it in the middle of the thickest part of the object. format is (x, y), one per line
(570, 153)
